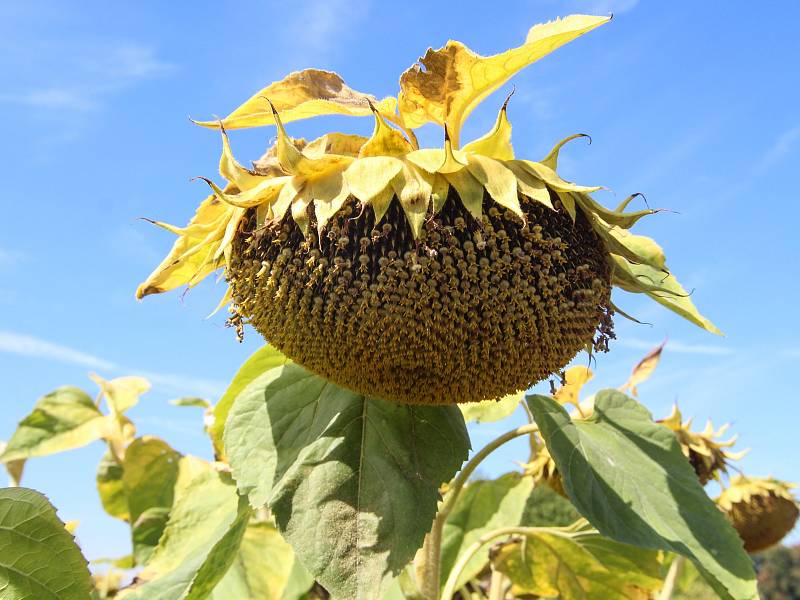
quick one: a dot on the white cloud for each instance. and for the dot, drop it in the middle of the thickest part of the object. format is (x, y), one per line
(782, 146)
(675, 346)
(33, 347)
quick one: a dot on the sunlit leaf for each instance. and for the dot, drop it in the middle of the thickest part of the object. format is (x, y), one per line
(574, 379)
(301, 95)
(362, 474)
(385, 141)
(64, 419)
(121, 393)
(582, 566)
(262, 360)
(39, 559)
(451, 81)
(483, 506)
(628, 477)
(551, 160)
(110, 487)
(489, 411)
(497, 142)
(191, 401)
(199, 543)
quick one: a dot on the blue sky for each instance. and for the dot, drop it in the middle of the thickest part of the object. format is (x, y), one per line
(694, 104)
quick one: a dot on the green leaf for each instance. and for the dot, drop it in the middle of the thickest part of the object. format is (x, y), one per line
(64, 419)
(39, 559)
(353, 482)
(199, 402)
(548, 508)
(199, 542)
(628, 476)
(111, 488)
(261, 569)
(481, 507)
(150, 470)
(299, 583)
(262, 360)
(580, 566)
(489, 411)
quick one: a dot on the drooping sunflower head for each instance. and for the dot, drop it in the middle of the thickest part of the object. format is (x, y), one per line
(707, 453)
(434, 275)
(762, 510)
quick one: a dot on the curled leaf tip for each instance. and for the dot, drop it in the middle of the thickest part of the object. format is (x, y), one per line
(505, 104)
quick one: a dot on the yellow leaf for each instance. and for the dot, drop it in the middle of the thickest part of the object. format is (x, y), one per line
(121, 393)
(231, 170)
(301, 95)
(300, 208)
(329, 193)
(348, 144)
(385, 140)
(496, 143)
(499, 181)
(439, 192)
(551, 160)
(568, 202)
(552, 179)
(469, 189)
(574, 379)
(643, 370)
(264, 193)
(455, 79)
(285, 198)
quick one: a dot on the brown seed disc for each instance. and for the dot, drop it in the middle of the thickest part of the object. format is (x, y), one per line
(763, 521)
(472, 310)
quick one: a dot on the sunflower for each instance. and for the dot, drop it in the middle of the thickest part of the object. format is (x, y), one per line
(762, 510)
(418, 275)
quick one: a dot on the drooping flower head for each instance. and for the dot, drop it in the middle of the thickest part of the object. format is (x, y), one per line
(433, 275)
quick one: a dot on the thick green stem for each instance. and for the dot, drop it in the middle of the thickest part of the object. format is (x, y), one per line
(432, 549)
(671, 579)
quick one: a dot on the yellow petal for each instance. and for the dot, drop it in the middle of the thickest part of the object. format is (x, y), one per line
(551, 160)
(413, 187)
(380, 202)
(232, 170)
(300, 205)
(496, 143)
(568, 202)
(227, 298)
(455, 79)
(368, 177)
(439, 192)
(643, 369)
(612, 217)
(230, 231)
(551, 178)
(469, 189)
(498, 181)
(385, 140)
(263, 193)
(329, 193)
(301, 95)
(531, 186)
(574, 379)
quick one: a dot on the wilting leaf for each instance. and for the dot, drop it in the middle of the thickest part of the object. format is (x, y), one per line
(14, 468)
(362, 475)
(497, 142)
(455, 80)
(262, 360)
(489, 411)
(200, 542)
(110, 487)
(301, 95)
(628, 476)
(121, 393)
(643, 370)
(580, 566)
(261, 568)
(150, 470)
(661, 287)
(482, 507)
(39, 559)
(64, 419)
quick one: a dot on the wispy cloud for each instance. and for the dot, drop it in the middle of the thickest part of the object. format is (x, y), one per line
(783, 146)
(33, 347)
(675, 346)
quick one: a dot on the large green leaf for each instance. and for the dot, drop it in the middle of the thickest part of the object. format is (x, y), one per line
(150, 470)
(39, 559)
(261, 568)
(262, 360)
(581, 566)
(64, 419)
(481, 507)
(548, 508)
(628, 476)
(110, 487)
(353, 482)
(489, 411)
(199, 543)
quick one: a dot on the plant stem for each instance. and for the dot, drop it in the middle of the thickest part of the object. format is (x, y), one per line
(433, 542)
(497, 586)
(671, 579)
